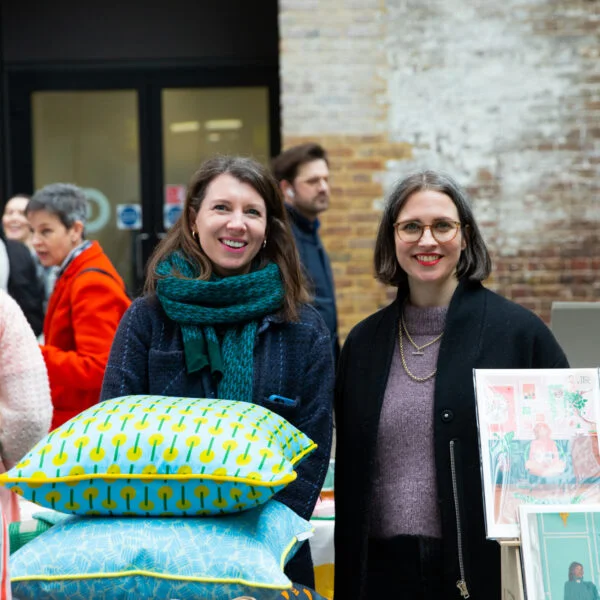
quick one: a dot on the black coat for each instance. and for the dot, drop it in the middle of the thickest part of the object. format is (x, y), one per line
(23, 283)
(483, 330)
(317, 270)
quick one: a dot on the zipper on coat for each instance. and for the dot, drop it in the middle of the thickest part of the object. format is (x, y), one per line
(461, 584)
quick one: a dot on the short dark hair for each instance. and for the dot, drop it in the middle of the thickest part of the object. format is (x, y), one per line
(474, 263)
(65, 200)
(280, 247)
(285, 166)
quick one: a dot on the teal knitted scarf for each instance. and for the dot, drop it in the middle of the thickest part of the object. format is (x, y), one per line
(235, 303)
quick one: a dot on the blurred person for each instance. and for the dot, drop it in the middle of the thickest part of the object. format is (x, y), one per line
(14, 221)
(25, 405)
(16, 227)
(87, 303)
(578, 589)
(408, 490)
(19, 278)
(303, 175)
(225, 315)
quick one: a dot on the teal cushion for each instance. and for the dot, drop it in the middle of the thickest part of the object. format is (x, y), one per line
(162, 456)
(119, 558)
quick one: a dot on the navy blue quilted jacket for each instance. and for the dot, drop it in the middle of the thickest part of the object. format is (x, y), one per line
(291, 359)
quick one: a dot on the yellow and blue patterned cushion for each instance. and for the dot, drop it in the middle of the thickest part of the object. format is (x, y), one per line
(162, 456)
(112, 558)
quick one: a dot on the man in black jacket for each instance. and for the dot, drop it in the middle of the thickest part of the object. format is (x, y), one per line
(18, 274)
(303, 175)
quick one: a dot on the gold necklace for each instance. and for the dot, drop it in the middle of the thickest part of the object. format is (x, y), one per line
(413, 377)
(418, 349)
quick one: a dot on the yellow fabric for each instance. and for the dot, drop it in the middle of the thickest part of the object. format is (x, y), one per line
(322, 551)
(324, 580)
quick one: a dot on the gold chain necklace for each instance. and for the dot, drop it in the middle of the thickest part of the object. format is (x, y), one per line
(418, 349)
(413, 377)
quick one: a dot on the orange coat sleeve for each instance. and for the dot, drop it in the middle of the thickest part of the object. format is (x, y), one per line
(97, 305)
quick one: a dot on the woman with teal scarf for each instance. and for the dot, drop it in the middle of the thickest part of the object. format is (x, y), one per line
(225, 314)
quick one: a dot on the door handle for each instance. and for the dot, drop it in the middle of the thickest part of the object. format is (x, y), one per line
(139, 261)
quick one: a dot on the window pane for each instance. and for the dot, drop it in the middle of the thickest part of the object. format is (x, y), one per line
(90, 138)
(198, 123)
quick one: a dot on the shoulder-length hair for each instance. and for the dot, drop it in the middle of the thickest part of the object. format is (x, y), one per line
(474, 263)
(280, 247)
(572, 568)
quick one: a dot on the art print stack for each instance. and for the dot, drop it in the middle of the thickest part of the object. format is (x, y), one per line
(540, 455)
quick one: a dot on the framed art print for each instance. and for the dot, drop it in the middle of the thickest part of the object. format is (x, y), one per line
(538, 441)
(560, 548)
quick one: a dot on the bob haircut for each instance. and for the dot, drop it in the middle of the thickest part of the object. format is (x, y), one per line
(280, 246)
(65, 200)
(474, 263)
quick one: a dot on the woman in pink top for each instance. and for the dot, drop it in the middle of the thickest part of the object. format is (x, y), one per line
(25, 406)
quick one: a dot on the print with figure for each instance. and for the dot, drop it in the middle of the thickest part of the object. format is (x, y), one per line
(578, 589)
(544, 458)
(539, 429)
(560, 551)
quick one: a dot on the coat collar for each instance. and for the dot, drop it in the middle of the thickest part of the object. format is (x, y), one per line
(90, 252)
(459, 349)
(462, 333)
(301, 221)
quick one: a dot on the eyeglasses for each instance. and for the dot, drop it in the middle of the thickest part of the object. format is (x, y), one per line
(443, 231)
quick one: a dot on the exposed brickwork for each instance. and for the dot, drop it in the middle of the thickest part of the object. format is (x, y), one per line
(504, 96)
(349, 227)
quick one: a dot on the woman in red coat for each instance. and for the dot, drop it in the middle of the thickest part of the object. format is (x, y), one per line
(87, 303)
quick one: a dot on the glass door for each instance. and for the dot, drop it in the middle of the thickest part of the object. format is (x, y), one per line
(132, 139)
(90, 138)
(200, 122)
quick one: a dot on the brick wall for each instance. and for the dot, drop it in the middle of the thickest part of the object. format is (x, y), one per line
(504, 96)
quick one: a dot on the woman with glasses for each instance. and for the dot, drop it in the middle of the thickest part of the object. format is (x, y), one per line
(408, 491)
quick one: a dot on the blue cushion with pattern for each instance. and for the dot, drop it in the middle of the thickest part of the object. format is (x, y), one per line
(121, 558)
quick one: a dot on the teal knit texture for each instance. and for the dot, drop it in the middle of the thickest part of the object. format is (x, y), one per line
(233, 304)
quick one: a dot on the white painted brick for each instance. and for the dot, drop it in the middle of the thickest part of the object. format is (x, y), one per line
(473, 86)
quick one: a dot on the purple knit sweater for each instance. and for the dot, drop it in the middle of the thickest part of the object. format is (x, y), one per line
(404, 499)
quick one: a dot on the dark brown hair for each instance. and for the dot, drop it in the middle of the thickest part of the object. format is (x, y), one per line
(572, 568)
(280, 247)
(285, 166)
(474, 263)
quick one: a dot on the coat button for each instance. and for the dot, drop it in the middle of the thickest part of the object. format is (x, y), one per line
(447, 415)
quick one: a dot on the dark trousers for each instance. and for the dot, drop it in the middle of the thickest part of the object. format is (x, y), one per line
(404, 568)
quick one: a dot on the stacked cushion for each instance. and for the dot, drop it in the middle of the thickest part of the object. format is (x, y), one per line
(117, 558)
(162, 456)
(126, 467)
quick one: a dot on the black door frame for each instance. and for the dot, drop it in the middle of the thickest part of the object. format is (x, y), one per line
(148, 81)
